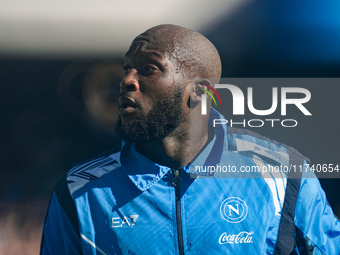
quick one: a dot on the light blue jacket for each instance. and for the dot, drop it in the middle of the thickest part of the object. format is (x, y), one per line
(123, 203)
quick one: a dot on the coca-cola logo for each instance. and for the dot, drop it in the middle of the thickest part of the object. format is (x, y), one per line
(242, 237)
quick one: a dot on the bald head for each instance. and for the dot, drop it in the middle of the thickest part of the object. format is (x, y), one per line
(197, 57)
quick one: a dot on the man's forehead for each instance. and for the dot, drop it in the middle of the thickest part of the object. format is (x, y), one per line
(139, 43)
(146, 44)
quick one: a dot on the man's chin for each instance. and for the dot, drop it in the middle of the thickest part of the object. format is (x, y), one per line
(125, 120)
(158, 123)
(139, 131)
(131, 129)
(128, 114)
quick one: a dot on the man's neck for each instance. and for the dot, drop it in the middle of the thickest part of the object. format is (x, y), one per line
(176, 150)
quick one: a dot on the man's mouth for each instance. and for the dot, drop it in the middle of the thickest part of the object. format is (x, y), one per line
(127, 105)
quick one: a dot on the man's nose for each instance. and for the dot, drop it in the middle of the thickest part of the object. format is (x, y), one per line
(130, 81)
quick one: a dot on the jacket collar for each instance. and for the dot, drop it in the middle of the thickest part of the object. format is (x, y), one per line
(212, 153)
(144, 173)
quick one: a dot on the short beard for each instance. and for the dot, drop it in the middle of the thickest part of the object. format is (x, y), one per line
(164, 117)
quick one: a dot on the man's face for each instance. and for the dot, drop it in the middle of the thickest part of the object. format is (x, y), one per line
(151, 94)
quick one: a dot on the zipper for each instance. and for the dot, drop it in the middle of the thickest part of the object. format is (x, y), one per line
(176, 182)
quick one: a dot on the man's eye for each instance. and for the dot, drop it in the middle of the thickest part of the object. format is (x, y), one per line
(147, 70)
(127, 69)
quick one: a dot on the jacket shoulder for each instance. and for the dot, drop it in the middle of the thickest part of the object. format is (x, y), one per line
(252, 144)
(93, 169)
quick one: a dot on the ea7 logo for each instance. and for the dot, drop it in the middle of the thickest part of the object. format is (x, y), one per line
(126, 221)
(234, 210)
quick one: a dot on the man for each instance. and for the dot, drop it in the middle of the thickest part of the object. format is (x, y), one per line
(140, 197)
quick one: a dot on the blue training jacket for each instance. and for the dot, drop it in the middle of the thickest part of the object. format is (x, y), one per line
(123, 203)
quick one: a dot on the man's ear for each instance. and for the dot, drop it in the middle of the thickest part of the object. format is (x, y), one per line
(198, 89)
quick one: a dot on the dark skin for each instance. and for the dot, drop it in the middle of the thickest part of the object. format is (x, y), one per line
(150, 74)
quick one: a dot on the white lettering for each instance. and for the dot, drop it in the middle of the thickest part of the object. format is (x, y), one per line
(117, 222)
(297, 101)
(242, 237)
(272, 120)
(255, 123)
(219, 121)
(239, 98)
(262, 112)
(292, 120)
(233, 123)
(254, 120)
(125, 221)
(232, 208)
(133, 218)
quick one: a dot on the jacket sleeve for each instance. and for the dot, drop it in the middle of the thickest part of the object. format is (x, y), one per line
(318, 230)
(61, 229)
